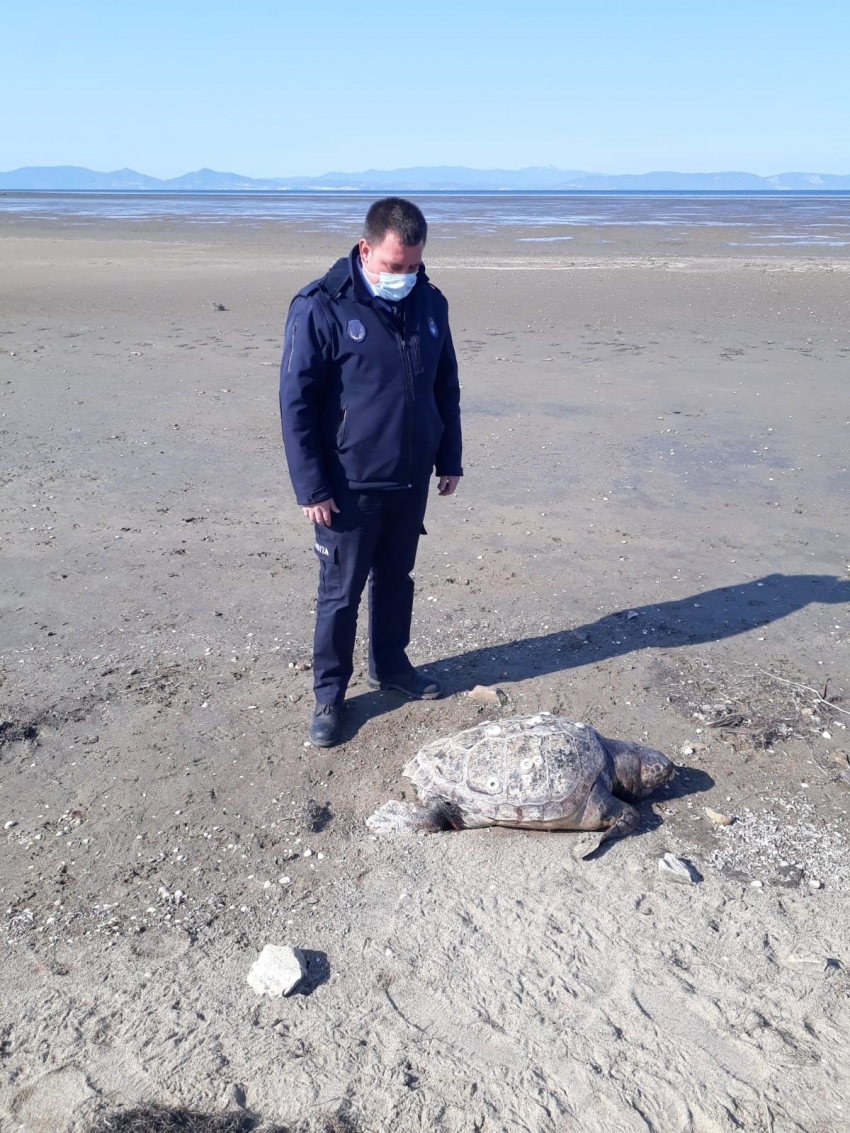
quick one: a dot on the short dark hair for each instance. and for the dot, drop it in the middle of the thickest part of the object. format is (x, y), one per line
(394, 214)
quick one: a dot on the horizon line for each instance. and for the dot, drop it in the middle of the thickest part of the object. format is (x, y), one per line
(409, 168)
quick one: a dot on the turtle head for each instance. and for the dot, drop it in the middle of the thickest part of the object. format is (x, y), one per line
(639, 770)
(655, 770)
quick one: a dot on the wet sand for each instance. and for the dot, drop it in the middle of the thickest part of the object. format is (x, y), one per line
(651, 537)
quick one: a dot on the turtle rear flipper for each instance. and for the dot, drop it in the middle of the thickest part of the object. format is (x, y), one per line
(396, 817)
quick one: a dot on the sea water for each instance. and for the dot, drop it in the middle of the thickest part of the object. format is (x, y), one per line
(753, 220)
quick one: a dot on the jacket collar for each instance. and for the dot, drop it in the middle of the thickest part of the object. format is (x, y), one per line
(345, 275)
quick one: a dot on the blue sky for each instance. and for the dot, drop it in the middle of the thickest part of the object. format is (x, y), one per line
(278, 88)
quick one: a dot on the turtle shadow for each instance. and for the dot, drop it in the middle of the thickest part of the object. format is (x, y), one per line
(687, 781)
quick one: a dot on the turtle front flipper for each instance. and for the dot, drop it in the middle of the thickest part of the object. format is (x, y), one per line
(396, 817)
(608, 817)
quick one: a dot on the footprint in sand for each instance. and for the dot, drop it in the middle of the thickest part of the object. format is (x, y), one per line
(52, 1101)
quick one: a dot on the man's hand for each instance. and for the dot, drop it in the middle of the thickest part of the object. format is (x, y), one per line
(447, 485)
(321, 513)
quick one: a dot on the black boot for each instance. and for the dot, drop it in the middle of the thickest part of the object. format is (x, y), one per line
(325, 725)
(411, 683)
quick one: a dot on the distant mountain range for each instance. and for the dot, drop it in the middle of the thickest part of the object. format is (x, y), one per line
(448, 178)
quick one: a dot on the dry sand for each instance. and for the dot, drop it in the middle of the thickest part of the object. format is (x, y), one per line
(647, 436)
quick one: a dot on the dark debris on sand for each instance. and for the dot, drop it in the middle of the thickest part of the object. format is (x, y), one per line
(163, 1119)
(745, 705)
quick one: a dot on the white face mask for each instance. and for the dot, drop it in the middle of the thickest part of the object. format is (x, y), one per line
(390, 286)
(394, 287)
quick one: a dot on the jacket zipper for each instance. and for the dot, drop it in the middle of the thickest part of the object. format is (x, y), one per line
(408, 383)
(408, 393)
(292, 346)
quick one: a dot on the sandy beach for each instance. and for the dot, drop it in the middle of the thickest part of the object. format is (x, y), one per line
(651, 537)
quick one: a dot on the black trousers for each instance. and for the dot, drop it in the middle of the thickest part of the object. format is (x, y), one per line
(374, 537)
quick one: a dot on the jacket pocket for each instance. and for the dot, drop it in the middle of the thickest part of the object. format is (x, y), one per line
(340, 433)
(330, 568)
(292, 346)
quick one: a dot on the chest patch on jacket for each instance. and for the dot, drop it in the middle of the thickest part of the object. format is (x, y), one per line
(355, 330)
(432, 327)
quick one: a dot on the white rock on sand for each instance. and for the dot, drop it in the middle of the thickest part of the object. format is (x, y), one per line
(677, 869)
(278, 971)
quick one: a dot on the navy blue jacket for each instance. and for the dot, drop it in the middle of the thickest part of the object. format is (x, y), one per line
(368, 398)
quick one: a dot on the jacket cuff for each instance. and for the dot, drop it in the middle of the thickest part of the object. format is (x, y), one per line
(444, 472)
(317, 497)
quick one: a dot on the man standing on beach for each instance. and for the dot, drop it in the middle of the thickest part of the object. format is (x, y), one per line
(370, 407)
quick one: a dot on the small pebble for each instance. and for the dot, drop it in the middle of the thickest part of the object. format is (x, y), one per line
(8, 825)
(717, 818)
(487, 695)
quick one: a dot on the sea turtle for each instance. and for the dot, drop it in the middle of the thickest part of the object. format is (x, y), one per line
(541, 772)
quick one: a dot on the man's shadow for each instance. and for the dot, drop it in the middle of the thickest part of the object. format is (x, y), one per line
(713, 615)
